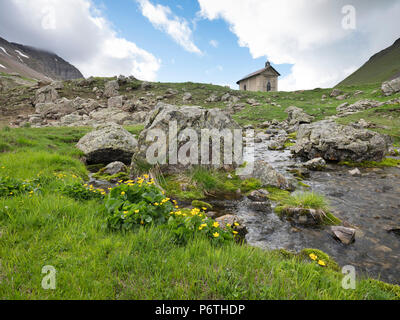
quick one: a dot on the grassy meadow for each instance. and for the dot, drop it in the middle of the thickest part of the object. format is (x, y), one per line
(46, 227)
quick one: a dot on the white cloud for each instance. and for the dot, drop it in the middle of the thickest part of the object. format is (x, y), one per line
(214, 43)
(77, 31)
(309, 34)
(163, 19)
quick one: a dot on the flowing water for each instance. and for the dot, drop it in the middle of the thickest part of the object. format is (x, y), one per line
(370, 203)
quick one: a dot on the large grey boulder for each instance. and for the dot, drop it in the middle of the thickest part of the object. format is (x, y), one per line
(298, 116)
(110, 115)
(46, 94)
(111, 89)
(391, 87)
(186, 119)
(335, 142)
(108, 143)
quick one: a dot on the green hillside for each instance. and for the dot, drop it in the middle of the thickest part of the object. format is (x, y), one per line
(381, 67)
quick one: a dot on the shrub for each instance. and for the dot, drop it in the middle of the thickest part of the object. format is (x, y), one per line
(131, 205)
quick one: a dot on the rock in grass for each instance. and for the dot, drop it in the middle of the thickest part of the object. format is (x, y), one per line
(391, 87)
(343, 234)
(335, 142)
(108, 143)
(111, 89)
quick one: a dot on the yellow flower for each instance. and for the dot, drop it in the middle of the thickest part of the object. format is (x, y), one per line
(313, 256)
(236, 224)
(136, 211)
(123, 193)
(228, 225)
(321, 263)
(200, 228)
(156, 204)
(204, 208)
(216, 225)
(235, 232)
(216, 235)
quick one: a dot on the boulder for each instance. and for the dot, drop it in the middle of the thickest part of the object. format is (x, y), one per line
(111, 89)
(46, 94)
(115, 102)
(316, 164)
(110, 115)
(297, 116)
(343, 234)
(355, 172)
(187, 96)
(391, 87)
(195, 120)
(335, 142)
(335, 93)
(260, 195)
(115, 168)
(267, 175)
(108, 143)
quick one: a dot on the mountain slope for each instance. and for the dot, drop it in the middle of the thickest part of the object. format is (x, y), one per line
(381, 67)
(34, 63)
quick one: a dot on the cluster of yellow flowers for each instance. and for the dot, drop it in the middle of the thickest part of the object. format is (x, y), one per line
(92, 189)
(314, 257)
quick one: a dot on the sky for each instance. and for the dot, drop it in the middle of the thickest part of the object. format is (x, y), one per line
(312, 43)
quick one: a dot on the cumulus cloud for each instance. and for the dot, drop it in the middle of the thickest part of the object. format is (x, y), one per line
(77, 31)
(164, 20)
(309, 34)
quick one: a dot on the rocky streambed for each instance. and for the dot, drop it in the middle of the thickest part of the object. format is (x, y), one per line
(370, 203)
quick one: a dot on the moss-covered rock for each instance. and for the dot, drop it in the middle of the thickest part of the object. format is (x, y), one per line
(201, 204)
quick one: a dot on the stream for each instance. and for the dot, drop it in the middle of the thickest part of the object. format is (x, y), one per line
(369, 203)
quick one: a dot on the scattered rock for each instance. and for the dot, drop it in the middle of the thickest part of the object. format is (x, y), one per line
(115, 102)
(260, 195)
(343, 234)
(335, 93)
(297, 116)
(316, 164)
(355, 172)
(187, 96)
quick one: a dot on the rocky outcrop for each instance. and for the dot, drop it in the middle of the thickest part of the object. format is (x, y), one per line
(108, 143)
(346, 108)
(188, 120)
(336, 142)
(391, 87)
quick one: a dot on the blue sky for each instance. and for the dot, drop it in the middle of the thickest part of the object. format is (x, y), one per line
(224, 64)
(312, 43)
